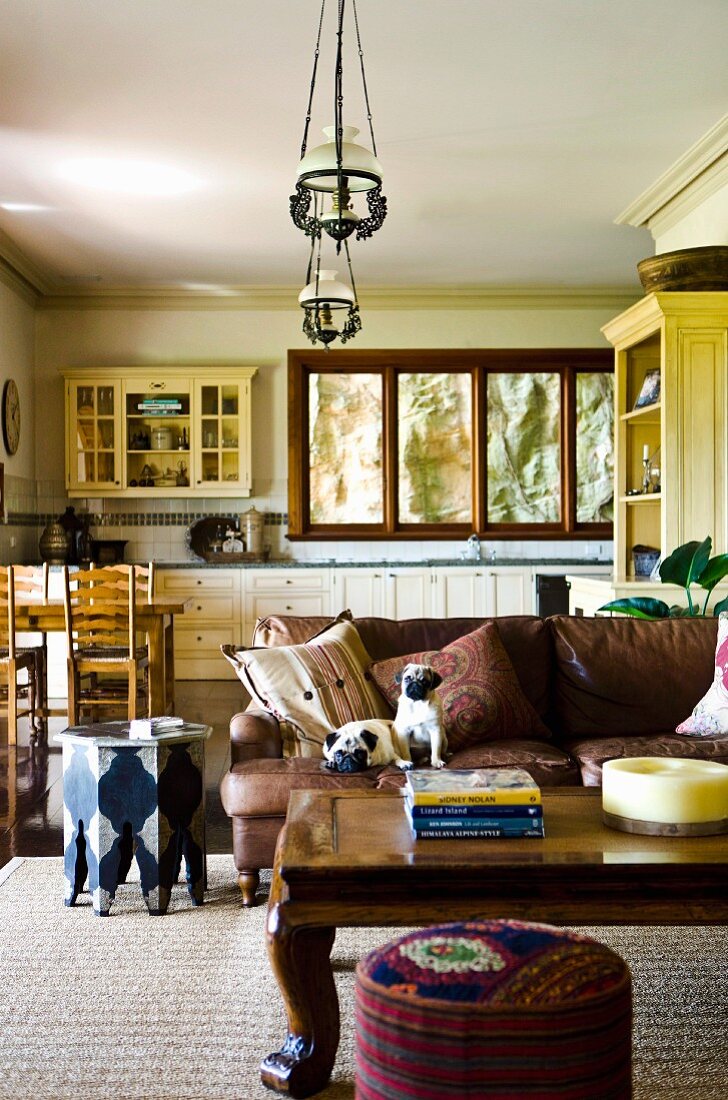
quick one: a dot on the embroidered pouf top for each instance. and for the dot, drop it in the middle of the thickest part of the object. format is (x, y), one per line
(498, 1009)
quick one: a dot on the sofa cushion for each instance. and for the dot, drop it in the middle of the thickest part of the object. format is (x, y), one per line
(629, 677)
(710, 716)
(312, 688)
(481, 697)
(590, 753)
(547, 765)
(260, 788)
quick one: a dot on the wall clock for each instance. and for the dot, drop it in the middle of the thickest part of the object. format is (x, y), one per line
(11, 416)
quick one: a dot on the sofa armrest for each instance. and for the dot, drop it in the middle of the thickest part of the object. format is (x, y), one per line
(254, 734)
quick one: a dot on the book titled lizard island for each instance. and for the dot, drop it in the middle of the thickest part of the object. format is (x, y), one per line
(473, 803)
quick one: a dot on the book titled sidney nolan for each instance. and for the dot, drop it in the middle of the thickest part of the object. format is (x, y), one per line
(471, 787)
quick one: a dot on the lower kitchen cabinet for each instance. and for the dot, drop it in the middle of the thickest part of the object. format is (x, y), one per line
(459, 592)
(508, 591)
(212, 619)
(408, 592)
(284, 592)
(359, 590)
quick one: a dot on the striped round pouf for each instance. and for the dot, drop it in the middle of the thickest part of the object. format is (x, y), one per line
(499, 1009)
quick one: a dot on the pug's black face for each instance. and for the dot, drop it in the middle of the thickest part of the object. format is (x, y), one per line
(418, 681)
(349, 754)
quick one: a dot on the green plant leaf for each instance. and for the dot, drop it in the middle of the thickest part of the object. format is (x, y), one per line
(686, 564)
(639, 607)
(679, 612)
(722, 606)
(715, 570)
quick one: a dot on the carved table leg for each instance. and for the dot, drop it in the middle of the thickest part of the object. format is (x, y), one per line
(248, 881)
(300, 960)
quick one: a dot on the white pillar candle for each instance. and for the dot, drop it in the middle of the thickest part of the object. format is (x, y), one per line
(645, 452)
(673, 791)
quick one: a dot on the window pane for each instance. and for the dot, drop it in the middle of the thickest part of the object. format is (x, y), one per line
(435, 432)
(524, 459)
(594, 448)
(345, 440)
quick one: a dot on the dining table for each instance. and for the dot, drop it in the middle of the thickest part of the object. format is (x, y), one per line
(154, 617)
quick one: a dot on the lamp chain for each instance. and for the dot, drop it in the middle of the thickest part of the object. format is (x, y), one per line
(313, 80)
(363, 78)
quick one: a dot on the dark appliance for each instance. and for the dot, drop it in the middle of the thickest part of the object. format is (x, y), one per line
(552, 595)
(108, 551)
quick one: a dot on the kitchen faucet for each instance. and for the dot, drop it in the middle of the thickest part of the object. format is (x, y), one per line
(474, 548)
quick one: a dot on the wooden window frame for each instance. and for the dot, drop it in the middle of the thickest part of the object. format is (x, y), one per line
(566, 362)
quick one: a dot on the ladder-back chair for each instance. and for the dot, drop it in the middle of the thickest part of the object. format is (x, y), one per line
(31, 586)
(18, 664)
(102, 643)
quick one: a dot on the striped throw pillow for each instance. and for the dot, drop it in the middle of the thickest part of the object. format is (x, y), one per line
(312, 688)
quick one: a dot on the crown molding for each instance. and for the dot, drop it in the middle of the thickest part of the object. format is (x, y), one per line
(18, 273)
(278, 298)
(697, 161)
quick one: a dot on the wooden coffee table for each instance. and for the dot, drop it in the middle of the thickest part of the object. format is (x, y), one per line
(347, 858)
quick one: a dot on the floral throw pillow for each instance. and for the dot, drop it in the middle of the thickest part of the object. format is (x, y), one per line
(312, 688)
(710, 716)
(481, 696)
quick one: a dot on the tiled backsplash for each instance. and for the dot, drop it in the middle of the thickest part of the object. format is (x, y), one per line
(156, 529)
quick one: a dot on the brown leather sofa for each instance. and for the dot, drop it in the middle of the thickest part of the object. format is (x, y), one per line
(605, 687)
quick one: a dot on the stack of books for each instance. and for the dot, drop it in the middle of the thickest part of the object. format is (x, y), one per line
(478, 803)
(160, 406)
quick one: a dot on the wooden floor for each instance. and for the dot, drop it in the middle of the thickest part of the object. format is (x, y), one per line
(31, 786)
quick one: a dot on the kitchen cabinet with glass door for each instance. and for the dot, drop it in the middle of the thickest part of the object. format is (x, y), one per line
(93, 431)
(221, 434)
(159, 431)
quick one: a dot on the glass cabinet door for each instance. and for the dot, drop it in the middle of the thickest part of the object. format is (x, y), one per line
(222, 452)
(93, 435)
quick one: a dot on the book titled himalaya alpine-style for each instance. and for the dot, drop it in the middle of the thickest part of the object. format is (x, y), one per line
(474, 804)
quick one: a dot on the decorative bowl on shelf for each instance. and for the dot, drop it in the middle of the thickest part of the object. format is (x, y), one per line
(703, 268)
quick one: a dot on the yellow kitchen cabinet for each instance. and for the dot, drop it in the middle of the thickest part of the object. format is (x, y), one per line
(166, 431)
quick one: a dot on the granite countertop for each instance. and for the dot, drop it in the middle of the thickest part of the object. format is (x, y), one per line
(327, 563)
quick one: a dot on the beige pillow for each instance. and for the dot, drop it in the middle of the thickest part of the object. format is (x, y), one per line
(312, 688)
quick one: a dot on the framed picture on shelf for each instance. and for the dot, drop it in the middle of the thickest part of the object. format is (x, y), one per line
(650, 392)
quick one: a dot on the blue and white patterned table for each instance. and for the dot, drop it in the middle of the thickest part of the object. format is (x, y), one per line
(126, 798)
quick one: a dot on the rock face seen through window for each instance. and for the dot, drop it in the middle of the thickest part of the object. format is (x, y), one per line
(434, 443)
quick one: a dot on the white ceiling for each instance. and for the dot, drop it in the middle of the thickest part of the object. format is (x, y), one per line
(511, 132)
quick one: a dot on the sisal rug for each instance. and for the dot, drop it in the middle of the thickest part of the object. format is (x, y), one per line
(183, 1007)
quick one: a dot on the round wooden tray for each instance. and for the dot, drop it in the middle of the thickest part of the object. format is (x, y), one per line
(665, 828)
(704, 268)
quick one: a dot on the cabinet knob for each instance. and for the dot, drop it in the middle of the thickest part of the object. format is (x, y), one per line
(377, 576)
(288, 607)
(480, 574)
(199, 607)
(199, 582)
(289, 582)
(199, 639)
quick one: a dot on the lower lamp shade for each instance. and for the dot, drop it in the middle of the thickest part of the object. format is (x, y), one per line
(665, 797)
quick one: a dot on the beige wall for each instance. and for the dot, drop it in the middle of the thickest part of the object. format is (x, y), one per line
(104, 337)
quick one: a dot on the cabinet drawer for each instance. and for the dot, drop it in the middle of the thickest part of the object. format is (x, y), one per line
(193, 582)
(204, 641)
(151, 384)
(287, 603)
(222, 609)
(188, 667)
(287, 580)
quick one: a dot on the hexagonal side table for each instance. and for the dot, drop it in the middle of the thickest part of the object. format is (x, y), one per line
(129, 798)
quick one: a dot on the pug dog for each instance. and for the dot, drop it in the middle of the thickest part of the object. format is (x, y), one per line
(361, 745)
(419, 723)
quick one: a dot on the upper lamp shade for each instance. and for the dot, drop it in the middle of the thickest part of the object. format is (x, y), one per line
(664, 796)
(317, 169)
(328, 292)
